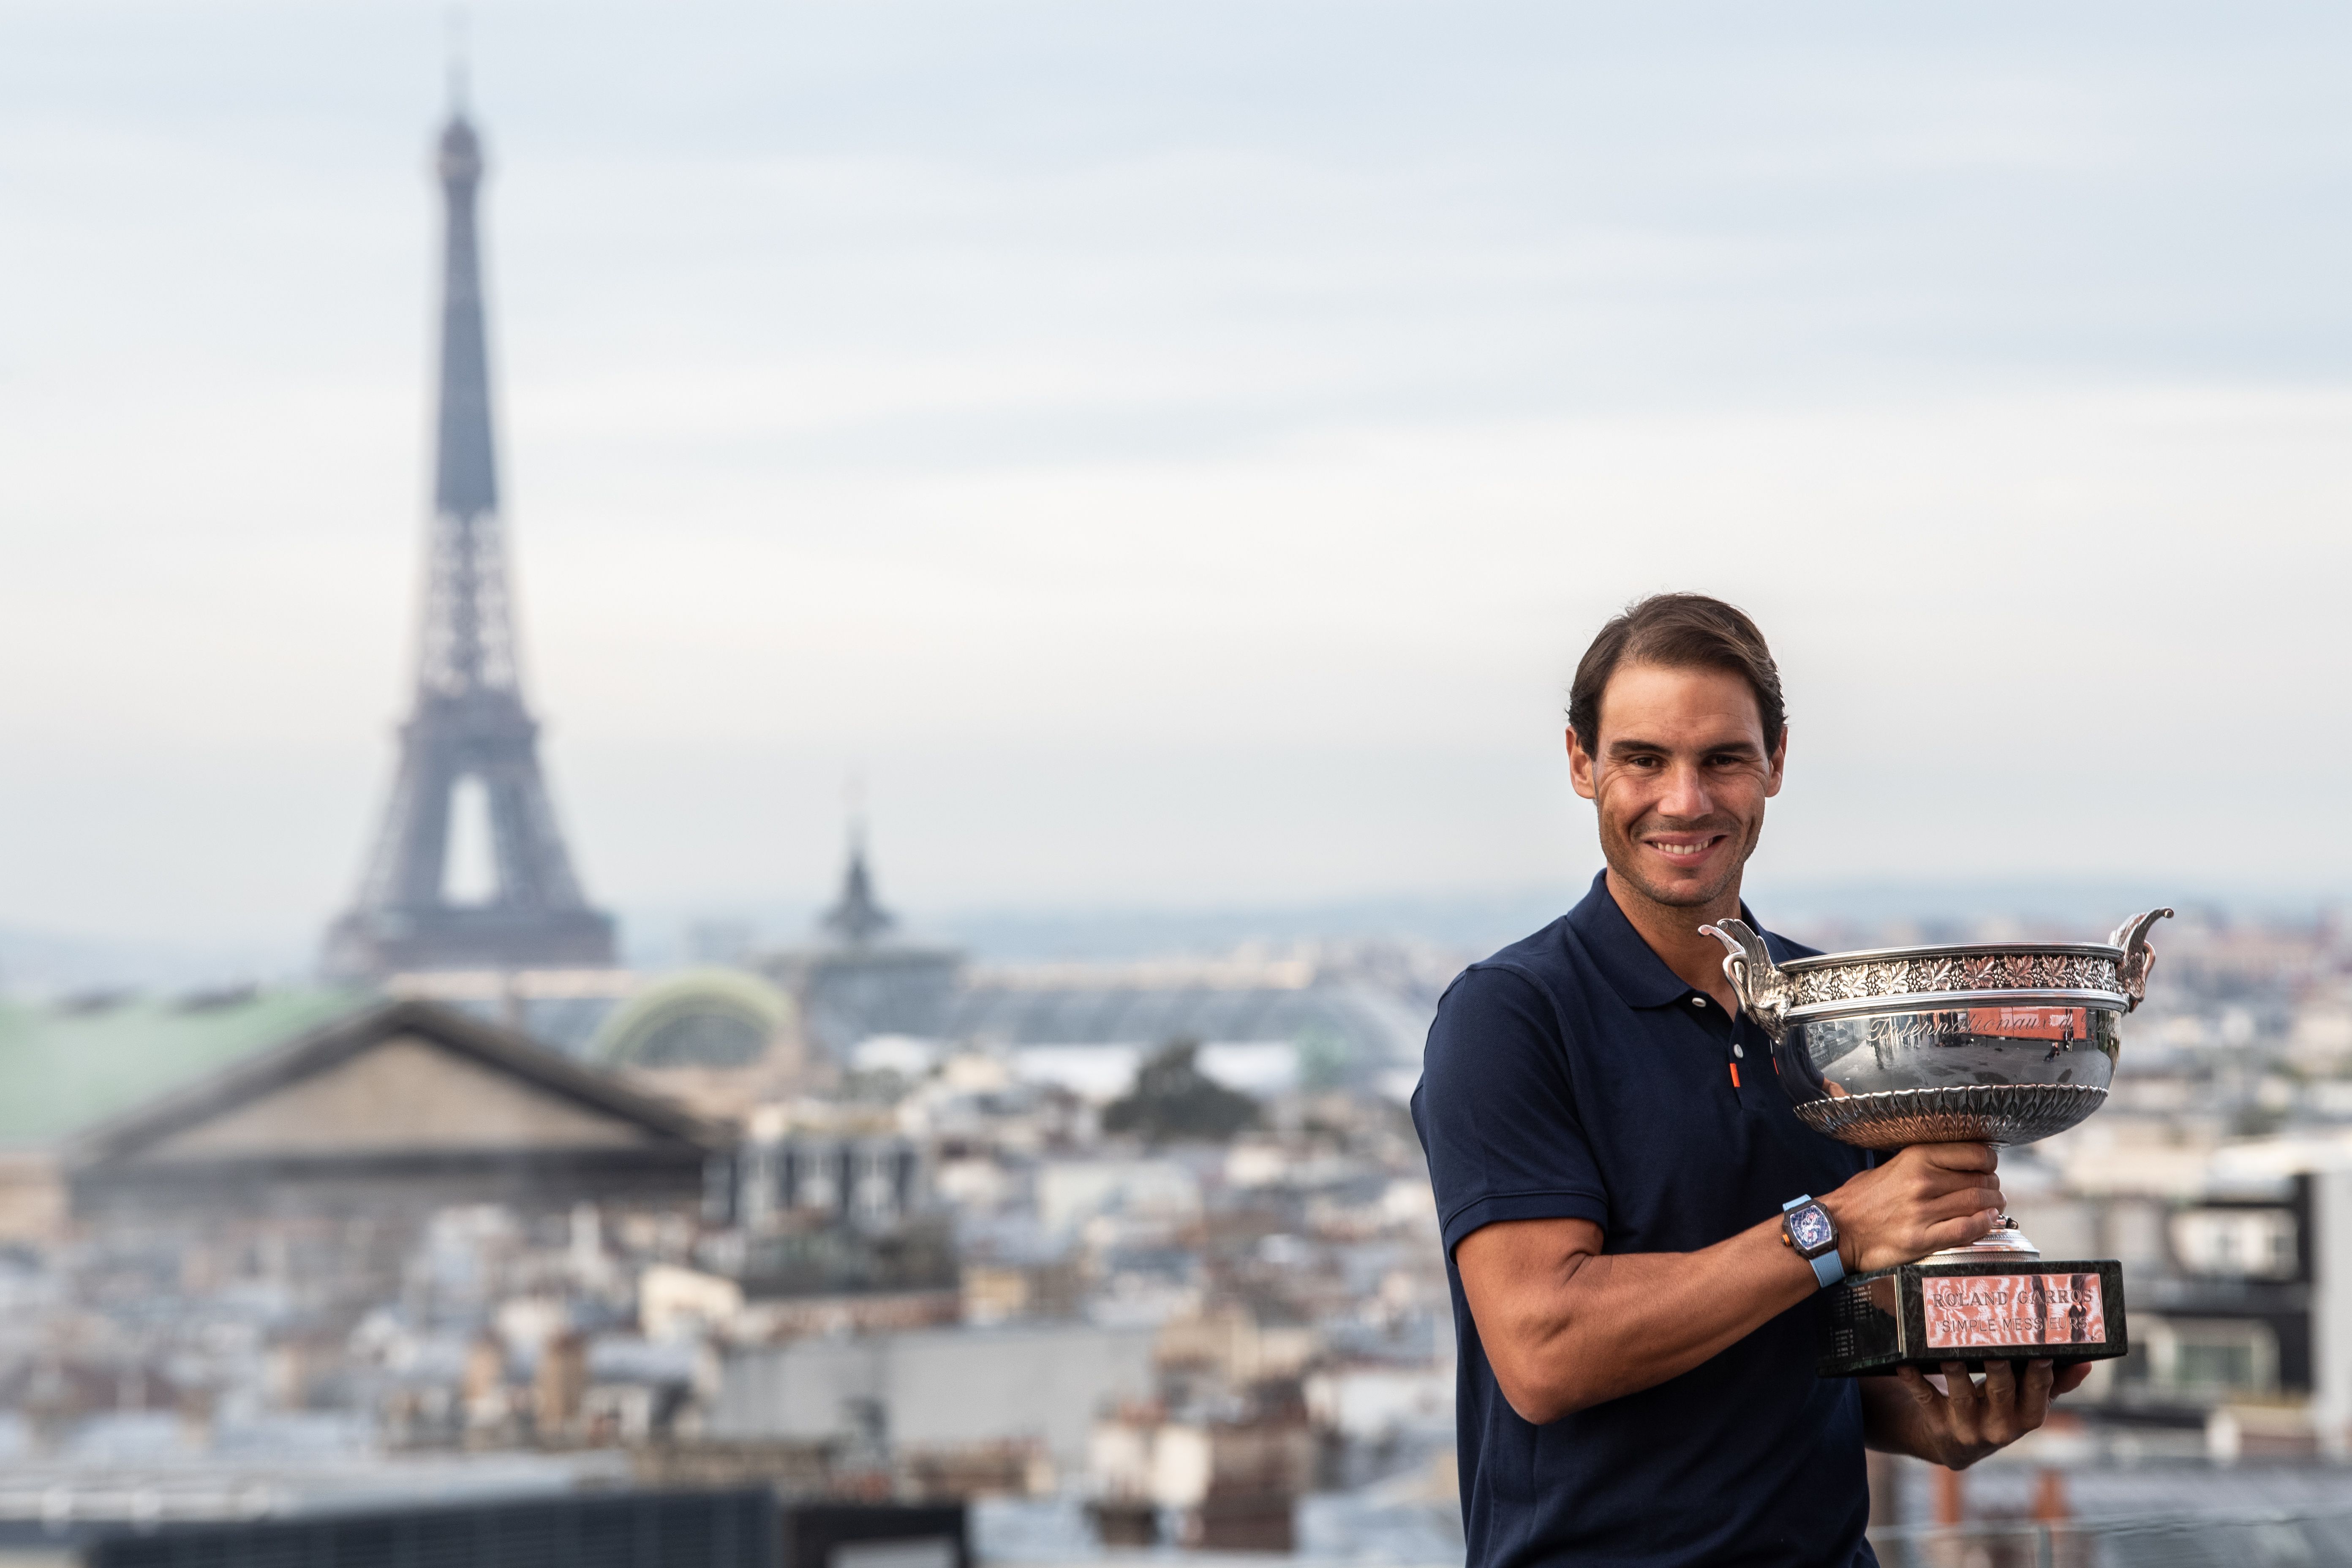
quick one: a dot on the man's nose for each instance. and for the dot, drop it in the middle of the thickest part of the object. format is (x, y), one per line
(1685, 797)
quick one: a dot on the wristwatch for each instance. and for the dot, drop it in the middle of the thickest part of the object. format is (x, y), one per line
(1807, 1226)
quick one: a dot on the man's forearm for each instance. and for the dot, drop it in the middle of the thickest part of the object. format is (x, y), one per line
(1577, 1328)
(1566, 1325)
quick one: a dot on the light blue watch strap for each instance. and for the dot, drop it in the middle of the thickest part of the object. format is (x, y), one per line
(1829, 1268)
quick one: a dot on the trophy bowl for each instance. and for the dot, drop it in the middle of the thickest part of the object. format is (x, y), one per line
(1980, 1042)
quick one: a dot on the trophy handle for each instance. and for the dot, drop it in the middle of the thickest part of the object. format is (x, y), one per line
(2138, 957)
(1763, 995)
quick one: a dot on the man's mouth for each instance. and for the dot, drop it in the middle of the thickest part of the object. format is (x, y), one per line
(1685, 848)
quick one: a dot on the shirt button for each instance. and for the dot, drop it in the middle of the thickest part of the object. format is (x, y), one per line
(1738, 1052)
(1698, 1001)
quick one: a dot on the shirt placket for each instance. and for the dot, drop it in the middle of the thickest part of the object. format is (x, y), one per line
(1740, 1065)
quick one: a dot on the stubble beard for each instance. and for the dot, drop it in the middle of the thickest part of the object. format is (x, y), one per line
(1624, 855)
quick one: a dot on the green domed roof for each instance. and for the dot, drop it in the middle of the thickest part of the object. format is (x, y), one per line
(697, 1018)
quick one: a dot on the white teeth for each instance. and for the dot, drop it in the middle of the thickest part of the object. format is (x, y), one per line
(1677, 848)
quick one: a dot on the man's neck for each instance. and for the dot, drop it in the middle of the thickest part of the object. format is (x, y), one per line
(1672, 931)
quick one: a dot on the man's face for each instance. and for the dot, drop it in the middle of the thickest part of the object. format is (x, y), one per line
(1680, 780)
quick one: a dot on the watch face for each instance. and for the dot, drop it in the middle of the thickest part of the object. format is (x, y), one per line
(1810, 1228)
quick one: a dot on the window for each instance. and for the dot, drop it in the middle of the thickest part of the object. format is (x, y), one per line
(2207, 1358)
(2236, 1243)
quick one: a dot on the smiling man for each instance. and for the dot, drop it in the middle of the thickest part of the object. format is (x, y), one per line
(1635, 1220)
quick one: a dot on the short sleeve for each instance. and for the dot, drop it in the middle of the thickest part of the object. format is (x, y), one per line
(1497, 1111)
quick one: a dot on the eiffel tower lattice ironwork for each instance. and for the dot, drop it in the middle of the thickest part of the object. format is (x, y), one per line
(469, 723)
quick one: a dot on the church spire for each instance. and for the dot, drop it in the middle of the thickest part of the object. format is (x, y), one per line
(857, 917)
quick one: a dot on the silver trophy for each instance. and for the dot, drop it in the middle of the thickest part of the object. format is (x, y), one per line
(1996, 1043)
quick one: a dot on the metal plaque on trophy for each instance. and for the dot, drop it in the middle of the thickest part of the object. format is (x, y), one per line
(1999, 1043)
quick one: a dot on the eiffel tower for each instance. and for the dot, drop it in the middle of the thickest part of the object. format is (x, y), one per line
(469, 724)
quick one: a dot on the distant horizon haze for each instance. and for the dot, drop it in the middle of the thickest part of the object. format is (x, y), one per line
(1469, 922)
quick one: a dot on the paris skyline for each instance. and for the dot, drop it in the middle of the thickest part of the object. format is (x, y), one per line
(1172, 464)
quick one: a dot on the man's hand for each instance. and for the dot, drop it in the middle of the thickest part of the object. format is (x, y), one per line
(1930, 1195)
(1966, 1420)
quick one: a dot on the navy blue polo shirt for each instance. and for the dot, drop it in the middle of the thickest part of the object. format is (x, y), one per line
(1573, 1075)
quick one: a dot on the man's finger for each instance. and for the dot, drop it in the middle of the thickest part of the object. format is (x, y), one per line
(1966, 1399)
(1961, 1231)
(1958, 1198)
(1959, 1156)
(2004, 1409)
(1966, 1200)
(1930, 1182)
(2068, 1381)
(1915, 1383)
(2033, 1395)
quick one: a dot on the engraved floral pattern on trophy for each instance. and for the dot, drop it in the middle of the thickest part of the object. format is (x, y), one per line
(1810, 986)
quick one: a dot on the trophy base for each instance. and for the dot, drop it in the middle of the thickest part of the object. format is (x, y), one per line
(1995, 1300)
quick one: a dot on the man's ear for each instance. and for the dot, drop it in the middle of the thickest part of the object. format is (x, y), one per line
(1780, 762)
(1580, 767)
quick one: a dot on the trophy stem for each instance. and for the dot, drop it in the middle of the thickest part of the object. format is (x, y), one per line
(2005, 1241)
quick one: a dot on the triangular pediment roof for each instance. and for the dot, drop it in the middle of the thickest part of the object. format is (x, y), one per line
(400, 1079)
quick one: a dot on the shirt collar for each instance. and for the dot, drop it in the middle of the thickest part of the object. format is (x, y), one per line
(1633, 969)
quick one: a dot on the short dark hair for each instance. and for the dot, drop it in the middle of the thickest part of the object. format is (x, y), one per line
(1680, 631)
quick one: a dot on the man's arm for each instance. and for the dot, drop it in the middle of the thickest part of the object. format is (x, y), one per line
(1566, 1325)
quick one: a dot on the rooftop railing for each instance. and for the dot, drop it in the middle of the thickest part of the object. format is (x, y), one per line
(2243, 1541)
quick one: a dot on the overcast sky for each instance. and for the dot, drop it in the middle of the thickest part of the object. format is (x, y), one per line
(1175, 452)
